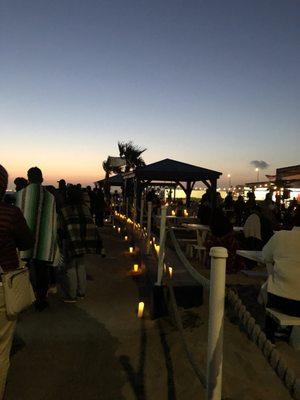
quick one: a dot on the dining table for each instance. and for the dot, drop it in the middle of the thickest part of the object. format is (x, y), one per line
(202, 227)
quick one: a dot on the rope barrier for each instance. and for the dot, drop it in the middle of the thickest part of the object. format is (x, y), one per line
(254, 332)
(193, 272)
(200, 375)
(257, 336)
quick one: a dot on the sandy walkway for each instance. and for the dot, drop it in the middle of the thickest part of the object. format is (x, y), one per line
(98, 349)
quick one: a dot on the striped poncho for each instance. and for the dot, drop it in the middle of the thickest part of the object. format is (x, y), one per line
(38, 207)
(80, 234)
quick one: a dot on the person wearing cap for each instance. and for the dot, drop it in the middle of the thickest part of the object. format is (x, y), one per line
(14, 234)
(39, 209)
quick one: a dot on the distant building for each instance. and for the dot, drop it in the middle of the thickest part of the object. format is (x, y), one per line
(286, 182)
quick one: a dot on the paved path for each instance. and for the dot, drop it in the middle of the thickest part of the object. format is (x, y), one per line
(96, 348)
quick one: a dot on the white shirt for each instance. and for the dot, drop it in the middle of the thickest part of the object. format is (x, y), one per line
(252, 227)
(283, 250)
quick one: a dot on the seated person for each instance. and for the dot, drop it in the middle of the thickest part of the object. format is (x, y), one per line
(257, 230)
(179, 212)
(205, 209)
(283, 284)
(222, 235)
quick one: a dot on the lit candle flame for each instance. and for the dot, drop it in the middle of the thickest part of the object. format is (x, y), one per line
(141, 309)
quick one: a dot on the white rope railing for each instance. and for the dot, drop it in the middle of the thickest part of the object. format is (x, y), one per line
(192, 271)
(257, 336)
(213, 380)
(199, 373)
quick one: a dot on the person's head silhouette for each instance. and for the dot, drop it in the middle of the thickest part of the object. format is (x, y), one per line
(3, 181)
(20, 183)
(35, 175)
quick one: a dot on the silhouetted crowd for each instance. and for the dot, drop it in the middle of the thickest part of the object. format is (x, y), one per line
(51, 231)
(259, 222)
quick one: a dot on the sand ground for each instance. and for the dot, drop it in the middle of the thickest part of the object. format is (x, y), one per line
(98, 348)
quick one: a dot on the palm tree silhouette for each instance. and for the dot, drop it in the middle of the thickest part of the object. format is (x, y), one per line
(132, 155)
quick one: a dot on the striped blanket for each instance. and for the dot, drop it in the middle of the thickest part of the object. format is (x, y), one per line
(38, 207)
(80, 234)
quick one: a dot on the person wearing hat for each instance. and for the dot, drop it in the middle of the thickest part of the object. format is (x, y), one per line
(14, 234)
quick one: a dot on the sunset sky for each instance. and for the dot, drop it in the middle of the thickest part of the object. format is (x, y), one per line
(213, 83)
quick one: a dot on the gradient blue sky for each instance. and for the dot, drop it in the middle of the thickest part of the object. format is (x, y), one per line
(212, 83)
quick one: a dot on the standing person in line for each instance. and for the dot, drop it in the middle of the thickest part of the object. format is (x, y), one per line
(99, 208)
(14, 234)
(61, 194)
(92, 196)
(38, 206)
(80, 236)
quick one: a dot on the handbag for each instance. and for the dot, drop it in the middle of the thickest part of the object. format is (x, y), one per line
(18, 292)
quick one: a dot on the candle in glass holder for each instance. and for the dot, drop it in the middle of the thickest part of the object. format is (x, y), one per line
(170, 272)
(173, 213)
(141, 309)
(130, 249)
(135, 267)
(125, 238)
(119, 229)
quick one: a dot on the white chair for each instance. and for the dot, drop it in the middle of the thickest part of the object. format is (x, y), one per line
(199, 247)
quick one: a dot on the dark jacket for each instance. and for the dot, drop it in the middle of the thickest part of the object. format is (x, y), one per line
(14, 234)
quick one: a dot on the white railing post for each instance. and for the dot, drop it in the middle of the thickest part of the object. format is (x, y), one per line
(216, 318)
(149, 218)
(142, 212)
(162, 241)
